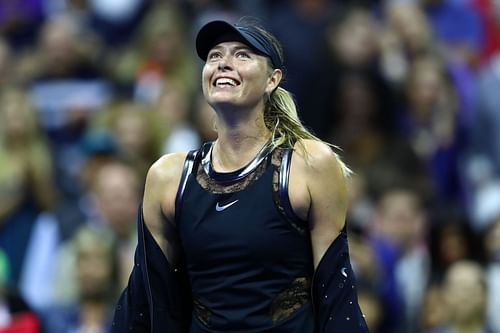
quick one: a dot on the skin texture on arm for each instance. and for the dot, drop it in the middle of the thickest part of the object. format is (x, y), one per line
(318, 193)
(161, 186)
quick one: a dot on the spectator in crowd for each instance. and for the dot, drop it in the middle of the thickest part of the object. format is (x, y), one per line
(492, 249)
(66, 85)
(458, 26)
(430, 125)
(15, 314)
(112, 201)
(157, 56)
(116, 197)
(433, 314)
(96, 277)
(362, 117)
(353, 39)
(483, 162)
(452, 239)
(135, 129)
(465, 297)
(399, 241)
(406, 35)
(175, 113)
(26, 176)
(301, 25)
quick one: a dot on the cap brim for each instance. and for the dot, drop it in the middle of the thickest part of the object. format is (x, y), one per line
(213, 33)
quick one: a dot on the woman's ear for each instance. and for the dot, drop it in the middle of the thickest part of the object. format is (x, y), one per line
(274, 80)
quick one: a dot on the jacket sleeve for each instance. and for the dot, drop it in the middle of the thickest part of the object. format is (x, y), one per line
(156, 298)
(334, 292)
(132, 310)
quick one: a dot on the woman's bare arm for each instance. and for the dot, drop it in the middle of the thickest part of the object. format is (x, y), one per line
(161, 186)
(318, 193)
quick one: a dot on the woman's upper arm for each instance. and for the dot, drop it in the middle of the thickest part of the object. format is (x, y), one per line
(160, 191)
(325, 183)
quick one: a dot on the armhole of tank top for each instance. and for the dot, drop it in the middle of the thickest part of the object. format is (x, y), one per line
(284, 198)
(187, 170)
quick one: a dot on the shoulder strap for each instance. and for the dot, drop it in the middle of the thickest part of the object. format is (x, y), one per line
(192, 159)
(284, 177)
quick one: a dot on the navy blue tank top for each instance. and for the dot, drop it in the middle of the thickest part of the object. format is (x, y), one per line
(248, 257)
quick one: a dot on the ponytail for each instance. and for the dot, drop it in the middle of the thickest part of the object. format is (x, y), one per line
(280, 114)
(282, 119)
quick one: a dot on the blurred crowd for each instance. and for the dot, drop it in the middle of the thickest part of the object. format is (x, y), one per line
(92, 92)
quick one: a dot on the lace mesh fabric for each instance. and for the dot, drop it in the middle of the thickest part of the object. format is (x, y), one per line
(283, 306)
(291, 299)
(213, 186)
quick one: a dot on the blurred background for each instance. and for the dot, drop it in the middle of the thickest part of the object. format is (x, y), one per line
(92, 92)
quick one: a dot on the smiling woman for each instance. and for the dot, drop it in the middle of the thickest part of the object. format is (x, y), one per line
(228, 88)
(246, 234)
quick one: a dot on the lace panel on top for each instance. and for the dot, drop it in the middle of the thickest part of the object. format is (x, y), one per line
(213, 186)
(291, 299)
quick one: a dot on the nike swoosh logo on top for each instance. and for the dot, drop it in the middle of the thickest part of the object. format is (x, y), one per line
(220, 208)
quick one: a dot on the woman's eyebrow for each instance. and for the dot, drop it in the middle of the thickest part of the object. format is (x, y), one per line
(232, 48)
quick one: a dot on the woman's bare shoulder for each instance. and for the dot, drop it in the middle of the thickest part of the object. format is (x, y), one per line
(316, 154)
(167, 168)
(160, 190)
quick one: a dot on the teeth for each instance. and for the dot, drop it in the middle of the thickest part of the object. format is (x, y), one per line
(225, 80)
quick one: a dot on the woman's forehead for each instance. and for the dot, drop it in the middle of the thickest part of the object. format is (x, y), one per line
(231, 45)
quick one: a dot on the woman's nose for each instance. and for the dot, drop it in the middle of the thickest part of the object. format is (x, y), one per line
(225, 63)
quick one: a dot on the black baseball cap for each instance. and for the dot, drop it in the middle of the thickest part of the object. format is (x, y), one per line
(216, 32)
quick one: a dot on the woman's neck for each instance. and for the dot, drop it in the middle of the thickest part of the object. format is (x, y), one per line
(238, 142)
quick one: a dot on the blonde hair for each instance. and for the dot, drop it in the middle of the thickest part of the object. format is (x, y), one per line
(280, 113)
(281, 117)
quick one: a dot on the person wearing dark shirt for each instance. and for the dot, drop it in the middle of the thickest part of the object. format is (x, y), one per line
(246, 234)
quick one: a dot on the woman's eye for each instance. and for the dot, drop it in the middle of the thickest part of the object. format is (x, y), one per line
(214, 55)
(242, 54)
